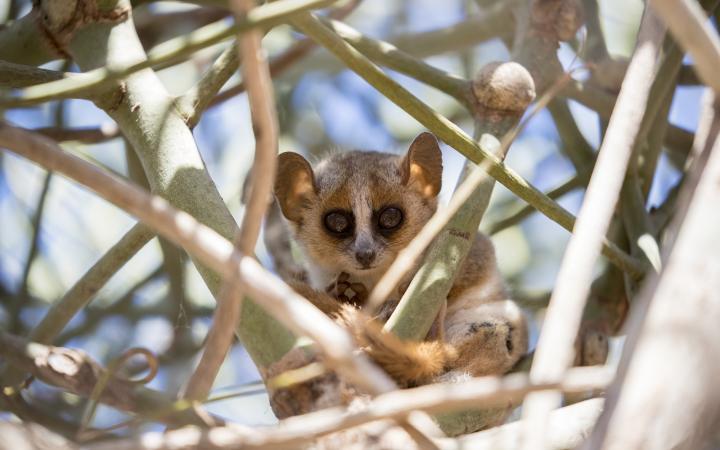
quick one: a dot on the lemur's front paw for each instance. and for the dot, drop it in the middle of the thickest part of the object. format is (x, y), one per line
(489, 340)
(346, 291)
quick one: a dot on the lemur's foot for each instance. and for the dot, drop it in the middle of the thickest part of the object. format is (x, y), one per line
(346, 291)
(489, 338)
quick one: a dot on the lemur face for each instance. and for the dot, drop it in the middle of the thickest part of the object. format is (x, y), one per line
(357, 210)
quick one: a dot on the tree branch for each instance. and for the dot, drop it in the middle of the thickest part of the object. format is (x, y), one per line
(515, 218)
(265, 16)
(663, 339)
(554, 353)
(85, 135)
(75, 372)
(195, 101)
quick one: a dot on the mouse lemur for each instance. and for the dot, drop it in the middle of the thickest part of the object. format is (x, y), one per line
(350, 215)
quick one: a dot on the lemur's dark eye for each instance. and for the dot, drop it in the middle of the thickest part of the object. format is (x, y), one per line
(339, 223)
(390, 218)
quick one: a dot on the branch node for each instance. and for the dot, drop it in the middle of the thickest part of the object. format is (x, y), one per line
(59, 20)
(502, 90)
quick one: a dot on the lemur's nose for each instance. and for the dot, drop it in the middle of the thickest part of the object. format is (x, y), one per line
(365, 256)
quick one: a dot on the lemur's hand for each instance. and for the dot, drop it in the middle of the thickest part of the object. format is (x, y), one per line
(346, 291)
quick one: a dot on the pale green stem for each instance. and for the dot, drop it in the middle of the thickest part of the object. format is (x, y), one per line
(193, 103)
(172, 163)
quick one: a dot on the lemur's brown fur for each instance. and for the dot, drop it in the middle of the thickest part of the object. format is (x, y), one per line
(480, 332)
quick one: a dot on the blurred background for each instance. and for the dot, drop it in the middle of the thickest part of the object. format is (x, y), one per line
(321, 108)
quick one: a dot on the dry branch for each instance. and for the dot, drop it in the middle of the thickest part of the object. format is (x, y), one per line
(297, 431)
(672, 330)
(77, 373)
(256, 76)
(554, 353)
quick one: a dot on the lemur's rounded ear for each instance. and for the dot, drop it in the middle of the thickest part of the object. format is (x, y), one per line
(294, 184)
(422, 166)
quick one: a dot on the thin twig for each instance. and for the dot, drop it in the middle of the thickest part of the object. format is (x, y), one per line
(36, 225)
(193, 103)
(554, 353)
(19, 75)
(211, 249)
(264, 117)
(90, 135)
(570, 185)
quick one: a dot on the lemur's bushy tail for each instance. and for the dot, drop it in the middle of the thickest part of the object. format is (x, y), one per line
(410, 363)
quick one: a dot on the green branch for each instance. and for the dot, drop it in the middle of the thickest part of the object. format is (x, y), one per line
(193, 103)
(390, 56)
(175, 49)
(451, 134)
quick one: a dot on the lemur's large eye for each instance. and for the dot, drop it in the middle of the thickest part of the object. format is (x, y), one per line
(390, 218)
(339, 223)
